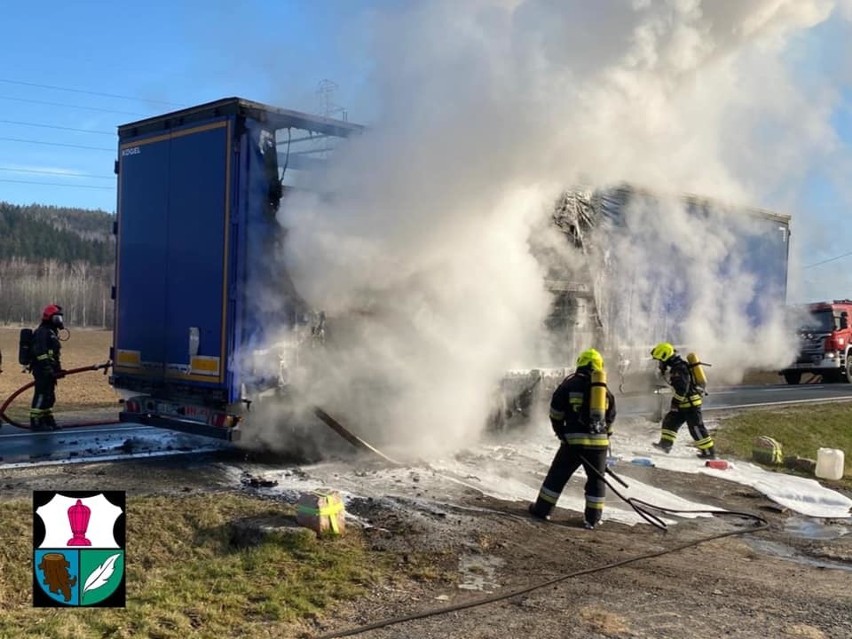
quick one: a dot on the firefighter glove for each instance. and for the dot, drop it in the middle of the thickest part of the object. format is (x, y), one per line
(558, 428)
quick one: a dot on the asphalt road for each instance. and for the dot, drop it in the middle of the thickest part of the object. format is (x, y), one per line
(111, 441)
(124, 441)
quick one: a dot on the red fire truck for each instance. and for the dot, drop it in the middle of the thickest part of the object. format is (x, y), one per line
(825, 343)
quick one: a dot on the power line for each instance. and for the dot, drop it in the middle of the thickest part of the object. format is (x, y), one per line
(75, 186)
(86, 92)
(56, 126)
(59, 173)
(832, 259)
(75, 146)
(69, 106)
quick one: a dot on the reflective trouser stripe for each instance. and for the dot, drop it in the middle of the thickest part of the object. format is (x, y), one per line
(705, 443)
(549, 496)
(596, 503)
(668, 435)
(557, 415)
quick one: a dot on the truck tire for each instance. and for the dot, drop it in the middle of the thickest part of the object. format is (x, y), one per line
(846, 375)
(793, 377)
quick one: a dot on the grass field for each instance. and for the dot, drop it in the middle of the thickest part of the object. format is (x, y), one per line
(185, 579)
(801, 431)
(78, 392)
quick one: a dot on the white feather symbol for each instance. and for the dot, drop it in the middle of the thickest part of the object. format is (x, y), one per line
(101, 574)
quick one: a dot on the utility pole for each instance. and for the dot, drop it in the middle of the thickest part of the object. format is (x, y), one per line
(328, 107)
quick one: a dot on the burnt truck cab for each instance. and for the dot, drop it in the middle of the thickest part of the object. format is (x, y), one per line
(825, 342)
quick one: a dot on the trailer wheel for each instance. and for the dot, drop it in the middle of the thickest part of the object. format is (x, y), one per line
(793, 377)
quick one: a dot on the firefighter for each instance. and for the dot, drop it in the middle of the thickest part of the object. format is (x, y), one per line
(685, 404)
(584, 440)
(46, 368)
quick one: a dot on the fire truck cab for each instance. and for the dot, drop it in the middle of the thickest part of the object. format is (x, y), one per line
(825, 343)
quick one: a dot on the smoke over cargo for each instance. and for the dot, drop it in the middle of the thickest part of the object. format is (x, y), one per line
(487, 112)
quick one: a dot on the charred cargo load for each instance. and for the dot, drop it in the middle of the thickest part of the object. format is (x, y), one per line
(198, 191)
(620, 280)
(630, 289)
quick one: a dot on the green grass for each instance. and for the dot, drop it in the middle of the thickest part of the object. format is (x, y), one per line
(185, 580)
(800, 430)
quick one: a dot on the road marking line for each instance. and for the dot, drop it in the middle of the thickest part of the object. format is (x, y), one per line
(795, 401)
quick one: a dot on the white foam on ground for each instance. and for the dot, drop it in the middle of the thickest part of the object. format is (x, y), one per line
(799, 494)
(514, 469)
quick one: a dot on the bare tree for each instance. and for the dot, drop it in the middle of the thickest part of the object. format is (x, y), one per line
(81, 288)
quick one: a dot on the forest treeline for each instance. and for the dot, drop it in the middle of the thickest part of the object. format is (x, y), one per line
(51, 254)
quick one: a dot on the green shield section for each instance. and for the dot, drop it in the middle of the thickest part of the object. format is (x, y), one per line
(101, 573)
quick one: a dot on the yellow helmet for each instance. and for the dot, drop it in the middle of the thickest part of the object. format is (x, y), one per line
(591, 357)
(662, 351)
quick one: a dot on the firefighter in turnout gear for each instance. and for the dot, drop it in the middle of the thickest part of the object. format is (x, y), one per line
(582, 411)
(685, 405)
(46, 367)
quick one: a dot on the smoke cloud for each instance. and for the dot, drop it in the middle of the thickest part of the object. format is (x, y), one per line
(415, 240)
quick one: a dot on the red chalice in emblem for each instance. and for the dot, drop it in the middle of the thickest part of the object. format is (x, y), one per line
(79, 515)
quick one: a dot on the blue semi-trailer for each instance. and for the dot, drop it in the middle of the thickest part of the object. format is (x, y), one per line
(196, 236)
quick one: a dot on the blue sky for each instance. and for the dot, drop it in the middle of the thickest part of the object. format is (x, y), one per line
(162, 55)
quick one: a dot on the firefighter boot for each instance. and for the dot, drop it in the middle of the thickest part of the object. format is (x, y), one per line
(707, 453)
(663, 446)
(50, 422)
(37, 424)
(538, 514)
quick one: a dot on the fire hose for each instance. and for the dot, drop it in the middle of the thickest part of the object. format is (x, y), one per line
(73, 371)
(642, 508)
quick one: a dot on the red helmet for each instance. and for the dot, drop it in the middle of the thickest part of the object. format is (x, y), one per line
(49, 311)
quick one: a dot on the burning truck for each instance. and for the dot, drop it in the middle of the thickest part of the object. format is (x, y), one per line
(198, 192)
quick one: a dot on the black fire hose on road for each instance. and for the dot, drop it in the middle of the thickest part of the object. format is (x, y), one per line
(73, 371)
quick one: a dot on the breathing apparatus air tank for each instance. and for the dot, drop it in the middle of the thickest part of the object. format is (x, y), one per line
(597, 402)
(25, 339)
(697, 370)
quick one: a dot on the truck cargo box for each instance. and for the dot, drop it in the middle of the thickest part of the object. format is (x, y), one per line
(198, 191)
(621, 308)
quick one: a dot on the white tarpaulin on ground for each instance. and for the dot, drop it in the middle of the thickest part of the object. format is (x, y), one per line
(800, 494)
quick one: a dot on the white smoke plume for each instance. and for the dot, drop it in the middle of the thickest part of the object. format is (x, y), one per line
(417, 247)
